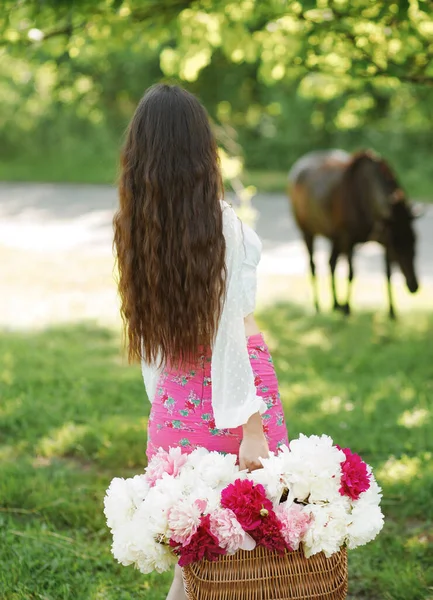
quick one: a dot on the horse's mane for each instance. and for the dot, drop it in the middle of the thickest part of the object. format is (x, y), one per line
(394, 188)
(359, 204)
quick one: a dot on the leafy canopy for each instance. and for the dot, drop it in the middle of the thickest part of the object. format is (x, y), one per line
(388, 40)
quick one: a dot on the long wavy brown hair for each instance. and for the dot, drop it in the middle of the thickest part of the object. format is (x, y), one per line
(168, 232)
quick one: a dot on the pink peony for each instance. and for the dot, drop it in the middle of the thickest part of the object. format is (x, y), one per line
(203, 545)
(165, 462)
(294, 524)
(247, 501)
(354, 478)
(231, 536)
(184, 520)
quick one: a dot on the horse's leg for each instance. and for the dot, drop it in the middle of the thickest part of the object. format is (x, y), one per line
(346, 308)
(309, 242)
(388, 278)
(335, 253)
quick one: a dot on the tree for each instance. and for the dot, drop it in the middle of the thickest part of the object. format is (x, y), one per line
(390, 40)
(338, 63)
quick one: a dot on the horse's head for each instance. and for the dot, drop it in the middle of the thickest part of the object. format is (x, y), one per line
(400, 233)
(391, 211)
(402, 240)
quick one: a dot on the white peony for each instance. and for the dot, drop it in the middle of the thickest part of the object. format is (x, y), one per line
(122, 499)
(139, 488)
(124, 548)
(161, 498)
(217, 470)
(134, 544)
(212, 496)
(374, 493)
(312, 468)
(327, 530)
(271, 477)
(195, 457)
(366, 519)
(155, 557)
(210, 469)
(119, 505)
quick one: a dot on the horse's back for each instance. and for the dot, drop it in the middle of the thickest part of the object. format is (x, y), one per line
(312, 182)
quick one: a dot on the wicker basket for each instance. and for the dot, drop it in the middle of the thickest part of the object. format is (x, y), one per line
(264, 575)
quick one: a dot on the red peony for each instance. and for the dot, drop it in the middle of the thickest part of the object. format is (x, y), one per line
(203, 545)
(269, 535)
(246, 500)
(355, 478)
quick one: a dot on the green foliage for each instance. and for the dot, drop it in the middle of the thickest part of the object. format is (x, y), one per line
(73, 415)
(353, 40)
(288, 77)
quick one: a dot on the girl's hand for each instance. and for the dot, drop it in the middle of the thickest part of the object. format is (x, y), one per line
(252, 448)
(253, 445)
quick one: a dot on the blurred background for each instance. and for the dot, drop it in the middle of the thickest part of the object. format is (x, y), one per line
(278, 79)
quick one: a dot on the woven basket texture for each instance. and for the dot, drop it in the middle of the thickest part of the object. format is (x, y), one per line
(264, 575)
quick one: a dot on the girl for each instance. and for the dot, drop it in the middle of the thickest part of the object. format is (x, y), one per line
(187, 282)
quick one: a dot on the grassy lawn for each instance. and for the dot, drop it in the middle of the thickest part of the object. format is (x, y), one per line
(101, 167)
(73, 415)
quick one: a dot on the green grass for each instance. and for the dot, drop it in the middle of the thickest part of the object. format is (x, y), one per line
(73, 415)
(83, 166)
(267, 181)
(101, 167)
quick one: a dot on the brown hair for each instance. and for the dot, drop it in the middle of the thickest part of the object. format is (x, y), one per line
(168, 229)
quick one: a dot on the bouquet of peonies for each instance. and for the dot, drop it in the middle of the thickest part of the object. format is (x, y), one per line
(189, 507)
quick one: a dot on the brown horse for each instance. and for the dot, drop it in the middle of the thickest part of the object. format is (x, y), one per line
(353, 199)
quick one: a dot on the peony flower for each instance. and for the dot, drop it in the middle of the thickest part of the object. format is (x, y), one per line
(271, 477)
(203, 545)
(159, 559)
(373, 495)
(255, 513)
(122, 499)
(124, 548)
(208, 471)
(246, 500)
(169, 462)
(327, 530)
(269, 534)
(154, 511)
(217, 470)
(366, 519)
(138, 488)
(312, 469)
(184, 520)
(231, 536)
(354, 478)
(294, 523)
(134, 545)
